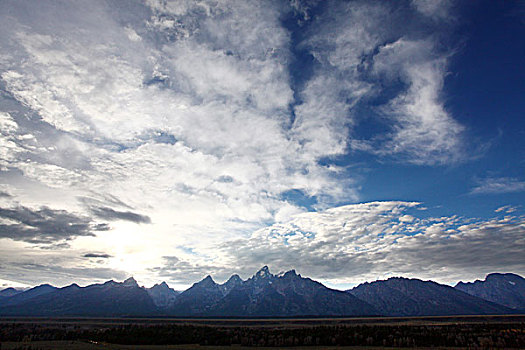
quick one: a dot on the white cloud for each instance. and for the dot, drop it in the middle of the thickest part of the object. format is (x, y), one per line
(355, 63)
(495, 185)
(406, 218)
(323, 119)
(158, 122)
(438, 9)
(187, 113)
(423, 131)
(8, 148)
(506, 209)
(369, 241)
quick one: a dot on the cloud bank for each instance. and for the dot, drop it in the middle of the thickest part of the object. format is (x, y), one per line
(165, 133)
(375, 240)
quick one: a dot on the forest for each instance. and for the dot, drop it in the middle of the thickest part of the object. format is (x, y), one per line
(408, 334)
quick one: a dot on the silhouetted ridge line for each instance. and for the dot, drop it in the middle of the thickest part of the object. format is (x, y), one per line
(287, 294)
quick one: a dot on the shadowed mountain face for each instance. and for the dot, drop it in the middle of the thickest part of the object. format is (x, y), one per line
(20, 298)
(412, 297)
(503, 288)
(162, 295)
(9, 292)
(288, 294)
(198, 299)
(108, 299)
(263, 295)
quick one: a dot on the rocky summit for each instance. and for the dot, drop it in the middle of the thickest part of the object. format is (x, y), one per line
(412, 297)
(503, 288)
(286, 294)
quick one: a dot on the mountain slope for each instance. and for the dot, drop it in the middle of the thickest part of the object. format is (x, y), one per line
(20, 298)
(198, 299)
(412, 297)
(162, 295)
(9, 292)
(290, 294)
(267, 295)
(108, 299)
(503, 288)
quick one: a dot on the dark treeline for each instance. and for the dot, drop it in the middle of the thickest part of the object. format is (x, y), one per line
(481, 335)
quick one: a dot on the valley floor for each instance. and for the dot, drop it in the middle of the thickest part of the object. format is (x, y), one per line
(456, 332)
(77, 345)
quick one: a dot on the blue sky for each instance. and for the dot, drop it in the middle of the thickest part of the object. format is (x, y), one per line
(483, 90)
(349, 140)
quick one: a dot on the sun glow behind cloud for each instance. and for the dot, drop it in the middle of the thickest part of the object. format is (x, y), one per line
(173, 137)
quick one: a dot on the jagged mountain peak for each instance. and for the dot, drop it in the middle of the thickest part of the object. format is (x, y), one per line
(288, 294)
(206, 282)
(287, 274)
(231, 283)
(265, 294)
(72, 286)
(162, 295)
(234, 277)
(264, 272)
(163, 285)
(160, 286)
(130, 282)
(503, 288)
(291, 273)
(233, 280)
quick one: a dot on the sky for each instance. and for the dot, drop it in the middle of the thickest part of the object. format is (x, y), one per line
(348, 140)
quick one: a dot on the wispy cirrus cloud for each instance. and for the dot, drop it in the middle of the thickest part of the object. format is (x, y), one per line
(358, 61)
(187, 116)
(423, 131)
(438, 9)
(496, 185)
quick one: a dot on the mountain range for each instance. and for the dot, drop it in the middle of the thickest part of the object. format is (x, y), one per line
(267, 295)
(506, 289)
(412, 297)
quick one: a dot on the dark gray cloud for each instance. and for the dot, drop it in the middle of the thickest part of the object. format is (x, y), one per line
(97, 255)
(54, 270)
(100, 207)
(45, 225)
(4, 195)
(112, 214)
(103, 200)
